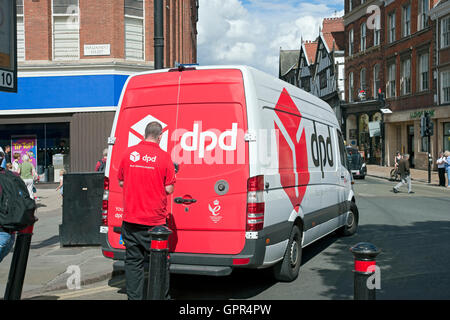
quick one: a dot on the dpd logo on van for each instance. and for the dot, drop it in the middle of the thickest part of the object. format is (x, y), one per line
(292, 150)
(322, 150)
(137, 132)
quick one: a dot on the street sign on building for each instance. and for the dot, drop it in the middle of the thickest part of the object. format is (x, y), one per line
(8, 46)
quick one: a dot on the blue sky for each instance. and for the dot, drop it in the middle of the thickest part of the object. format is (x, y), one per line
(251, 32)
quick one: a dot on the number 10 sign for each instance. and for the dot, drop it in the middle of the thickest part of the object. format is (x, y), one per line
(8, 46)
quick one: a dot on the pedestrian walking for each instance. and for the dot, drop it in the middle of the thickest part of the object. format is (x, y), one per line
(441, 169)
(101, 164)
(147, 176)
(7, 238)
(27, 173)
(15, 162)
(405, 174)
(8, 154)
(447, 166)
(61, 182)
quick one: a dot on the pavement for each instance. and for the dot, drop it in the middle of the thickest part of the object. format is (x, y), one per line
(417, 175)
(48, 262)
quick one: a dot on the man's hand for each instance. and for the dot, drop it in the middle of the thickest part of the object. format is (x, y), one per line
(170, 189)
(121, 183)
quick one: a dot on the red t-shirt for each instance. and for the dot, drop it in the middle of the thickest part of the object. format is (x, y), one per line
(145, 171)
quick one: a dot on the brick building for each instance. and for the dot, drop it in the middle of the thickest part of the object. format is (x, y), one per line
(440, 15)
(74, 58)
(397, 56)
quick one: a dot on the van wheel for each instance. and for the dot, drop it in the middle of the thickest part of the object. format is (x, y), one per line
(287, 270)
(352, 221)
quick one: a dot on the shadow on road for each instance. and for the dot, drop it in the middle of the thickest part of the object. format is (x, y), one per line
(414, 261)
(45, 243)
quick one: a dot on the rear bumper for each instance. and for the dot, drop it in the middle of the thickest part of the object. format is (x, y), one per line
(203, 264)
(252, 256)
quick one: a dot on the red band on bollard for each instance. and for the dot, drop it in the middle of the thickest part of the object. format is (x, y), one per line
(27, 230)
(362, 266)
(159, 245)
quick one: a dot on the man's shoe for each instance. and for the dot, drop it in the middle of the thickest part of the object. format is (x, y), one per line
(395, 190)
(411, 192)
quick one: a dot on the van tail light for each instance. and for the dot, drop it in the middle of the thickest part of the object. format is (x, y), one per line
(105, 201)
(255, 203)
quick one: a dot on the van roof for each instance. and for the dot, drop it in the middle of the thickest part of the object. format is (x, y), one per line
(254, 72)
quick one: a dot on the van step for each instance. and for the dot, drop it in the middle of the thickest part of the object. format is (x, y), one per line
(217, 271)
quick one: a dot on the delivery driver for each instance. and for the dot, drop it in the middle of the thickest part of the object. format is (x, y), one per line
(147, 176)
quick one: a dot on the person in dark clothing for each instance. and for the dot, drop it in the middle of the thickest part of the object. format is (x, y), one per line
(405, 174)
(147, 176)
(441, 169)
(101, 164)
(6, 238)
(8, 154)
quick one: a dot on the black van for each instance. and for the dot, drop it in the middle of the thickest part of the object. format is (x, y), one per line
(356, 163)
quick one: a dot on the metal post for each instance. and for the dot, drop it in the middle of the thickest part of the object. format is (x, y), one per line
(159, 34)
(158, 273)
(429, 158)
(18, 265)
(364, 254)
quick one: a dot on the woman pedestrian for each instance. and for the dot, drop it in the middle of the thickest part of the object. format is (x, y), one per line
(15, 162)
(447, 166)
(441, 169)
(27, 173)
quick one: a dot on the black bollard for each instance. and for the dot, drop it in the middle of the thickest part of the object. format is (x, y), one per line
(18, 264)
(158, 273)
(365, 254)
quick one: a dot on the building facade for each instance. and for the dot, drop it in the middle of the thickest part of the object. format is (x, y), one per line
(318, 66)
(395, 56)
(74, 58)
(440, 15)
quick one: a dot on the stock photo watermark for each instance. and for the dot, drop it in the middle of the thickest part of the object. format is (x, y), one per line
(74, 280)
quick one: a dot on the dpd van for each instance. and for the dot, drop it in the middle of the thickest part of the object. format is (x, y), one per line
(262, 168)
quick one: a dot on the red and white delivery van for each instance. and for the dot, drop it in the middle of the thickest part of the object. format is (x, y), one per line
(262, 168)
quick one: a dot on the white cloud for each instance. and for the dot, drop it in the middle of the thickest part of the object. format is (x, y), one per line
(251, 33)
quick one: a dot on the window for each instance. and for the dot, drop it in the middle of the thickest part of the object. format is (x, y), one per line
(323, 79)
(392, 27)
(446, 136)
(20, 32)
(376, 79)
(363, 36)
(66, 30)
(422, 17)
(362, 79)
(445, 32)
(445, 78)
(306, 84)
(424, 74)
(407, 20)
(391, 85)
(350, 43)
(342, 152)
(405, 81)
(134, 29)
(350, 5)
(350, 87)
(377, 31)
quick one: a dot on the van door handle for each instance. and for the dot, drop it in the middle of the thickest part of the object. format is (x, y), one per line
(184, 201)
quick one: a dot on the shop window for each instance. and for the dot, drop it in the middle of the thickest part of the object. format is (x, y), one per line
(447, 136)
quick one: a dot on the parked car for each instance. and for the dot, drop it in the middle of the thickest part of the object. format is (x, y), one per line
(356, 163)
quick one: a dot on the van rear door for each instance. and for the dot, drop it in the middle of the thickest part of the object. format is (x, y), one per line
(147, 98)
(210, 198)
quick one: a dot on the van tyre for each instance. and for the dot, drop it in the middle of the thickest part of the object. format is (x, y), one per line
(287, 270)
(352, 221)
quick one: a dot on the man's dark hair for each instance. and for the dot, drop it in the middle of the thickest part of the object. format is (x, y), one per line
(153, 130)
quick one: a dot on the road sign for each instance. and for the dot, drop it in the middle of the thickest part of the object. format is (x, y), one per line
(8, 46)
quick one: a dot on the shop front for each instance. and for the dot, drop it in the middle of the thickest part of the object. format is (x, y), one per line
(362, 122)
(64, 119)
